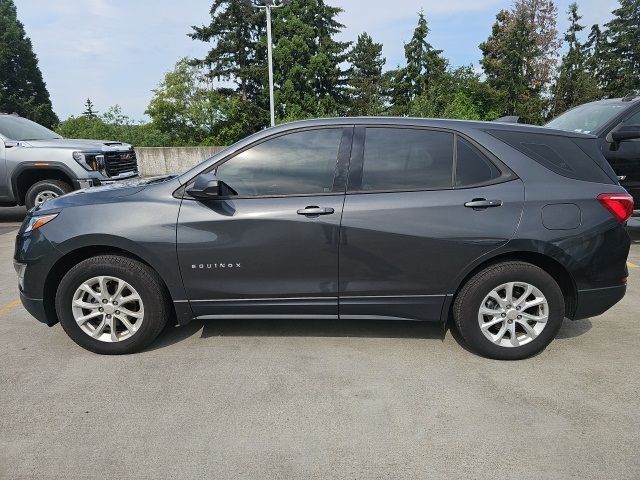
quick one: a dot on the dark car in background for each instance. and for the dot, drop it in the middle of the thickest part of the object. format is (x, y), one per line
(505, 229)
(616, 123)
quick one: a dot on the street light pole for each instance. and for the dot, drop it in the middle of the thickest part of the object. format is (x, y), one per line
(268, 5)
(272, 103)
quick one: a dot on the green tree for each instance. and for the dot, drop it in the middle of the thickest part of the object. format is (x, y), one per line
(365, 77)
(574, 85)
(423, 70)
(597, 53)
(89, 110)
(507, 53)
(235, 32)
(186, 108)
(113, 125)
(309, 77)
(460, 93)
(22, 89)
(542, 16)
(620, 71)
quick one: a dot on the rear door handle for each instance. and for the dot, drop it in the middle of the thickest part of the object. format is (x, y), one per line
(313, 211)
(481, 203)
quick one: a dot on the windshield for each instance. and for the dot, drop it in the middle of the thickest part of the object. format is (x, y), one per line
(586, 118)
(18, 128)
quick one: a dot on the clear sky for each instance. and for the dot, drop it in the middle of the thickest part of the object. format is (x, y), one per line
(116, 51)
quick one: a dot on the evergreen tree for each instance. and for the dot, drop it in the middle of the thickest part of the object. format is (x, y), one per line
(365, 77)
(622, 63)
(89, 111)
(423, 70)
(235, 31)
(574, 84)
(507, 54)
(597, 52)
(542, 16)
(22, 89)
(309, 79)
(460, 93)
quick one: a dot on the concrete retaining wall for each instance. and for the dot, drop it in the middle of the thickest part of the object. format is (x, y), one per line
(154, 161)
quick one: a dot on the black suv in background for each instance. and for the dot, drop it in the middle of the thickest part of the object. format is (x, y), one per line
(616, 123)
(506, 229)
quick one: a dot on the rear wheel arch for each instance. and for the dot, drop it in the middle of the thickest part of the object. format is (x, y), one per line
(550, 265)
(72, 258)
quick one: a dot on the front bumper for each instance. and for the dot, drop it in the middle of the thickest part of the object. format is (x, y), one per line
(596, 301)
(35, 306)
(81, 183)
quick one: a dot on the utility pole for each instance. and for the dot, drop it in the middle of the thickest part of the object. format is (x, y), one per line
(268, 5)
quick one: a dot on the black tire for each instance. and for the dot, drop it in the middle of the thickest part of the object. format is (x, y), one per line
(149, 285)
(468, 301)
(57, 186)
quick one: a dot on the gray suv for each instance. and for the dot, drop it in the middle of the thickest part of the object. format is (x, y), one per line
(37, 164)
(503, 229)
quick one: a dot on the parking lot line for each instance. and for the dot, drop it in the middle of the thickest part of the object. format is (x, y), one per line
(632, 265)
(9, 306)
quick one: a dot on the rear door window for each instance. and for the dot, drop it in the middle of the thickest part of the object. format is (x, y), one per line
(407, 159)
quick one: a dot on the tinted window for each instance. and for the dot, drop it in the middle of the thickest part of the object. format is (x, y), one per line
(293, 164)
(633, 120)
(407, 159)
(18, 128)
(586, 118)
(559, 154)
(472, 167)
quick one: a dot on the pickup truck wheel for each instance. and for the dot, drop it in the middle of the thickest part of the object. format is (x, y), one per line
(509, 311)
(112, 305)
(45, 190)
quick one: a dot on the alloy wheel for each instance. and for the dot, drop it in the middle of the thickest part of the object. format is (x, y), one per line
(513, 314)
(107, 309)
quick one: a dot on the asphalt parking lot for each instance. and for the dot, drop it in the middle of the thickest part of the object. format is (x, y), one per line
(317, 399)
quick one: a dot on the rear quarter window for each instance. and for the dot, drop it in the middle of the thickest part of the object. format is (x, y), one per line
(557, 153)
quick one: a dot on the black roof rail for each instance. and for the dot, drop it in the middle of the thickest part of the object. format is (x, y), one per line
(508, 119)
(630, 97)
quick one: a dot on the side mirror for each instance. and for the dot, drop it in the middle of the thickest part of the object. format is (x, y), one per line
(207, 186)
(623, 133)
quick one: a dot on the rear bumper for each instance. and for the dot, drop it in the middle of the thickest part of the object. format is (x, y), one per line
(596, 301)
(36, 308)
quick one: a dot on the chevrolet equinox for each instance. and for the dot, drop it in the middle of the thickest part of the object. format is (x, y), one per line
(506, 229)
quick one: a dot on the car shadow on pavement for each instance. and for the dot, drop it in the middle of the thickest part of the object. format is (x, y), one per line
(574, 328)
(300, 328)
(330, 328)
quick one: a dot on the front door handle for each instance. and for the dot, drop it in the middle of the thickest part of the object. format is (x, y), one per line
(481, 203)
(313, 211)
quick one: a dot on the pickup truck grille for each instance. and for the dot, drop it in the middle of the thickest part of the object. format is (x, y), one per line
(117, 163)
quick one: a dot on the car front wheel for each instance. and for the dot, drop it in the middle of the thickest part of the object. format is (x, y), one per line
(45, 190)
(509, 311)
(111, 304)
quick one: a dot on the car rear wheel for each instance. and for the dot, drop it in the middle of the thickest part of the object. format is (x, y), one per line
(45, 190)
(111, 304)
(509, 311)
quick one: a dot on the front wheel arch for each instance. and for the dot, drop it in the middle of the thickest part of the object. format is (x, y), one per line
(28, 176)
(68, 261)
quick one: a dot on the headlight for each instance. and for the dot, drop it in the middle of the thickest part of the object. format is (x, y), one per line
(36, 222)
(90, 161)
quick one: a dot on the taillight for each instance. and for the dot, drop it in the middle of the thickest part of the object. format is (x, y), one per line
(619, 204)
